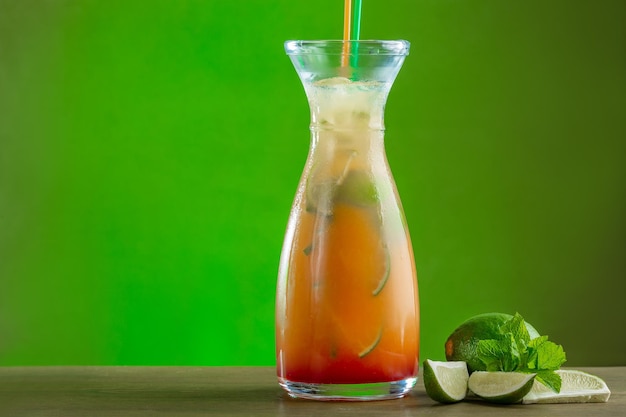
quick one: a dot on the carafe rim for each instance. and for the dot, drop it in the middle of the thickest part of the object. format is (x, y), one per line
(337, 47)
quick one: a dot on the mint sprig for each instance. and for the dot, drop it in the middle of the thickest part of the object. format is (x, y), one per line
(514, 351)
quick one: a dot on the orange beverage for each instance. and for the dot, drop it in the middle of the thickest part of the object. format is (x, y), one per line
(347, 313)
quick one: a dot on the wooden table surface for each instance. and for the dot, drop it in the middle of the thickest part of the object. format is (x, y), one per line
(236, 391)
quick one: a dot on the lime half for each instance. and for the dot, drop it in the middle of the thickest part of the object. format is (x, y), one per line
(501, 387)
(576, 387)
(445, 382)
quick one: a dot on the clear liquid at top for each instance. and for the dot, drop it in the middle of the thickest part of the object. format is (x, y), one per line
(338, 103)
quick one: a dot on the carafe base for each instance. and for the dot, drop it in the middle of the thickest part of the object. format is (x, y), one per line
(375, 391)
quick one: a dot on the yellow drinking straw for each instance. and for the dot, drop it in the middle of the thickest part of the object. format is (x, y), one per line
(347, 18)
(351, 31)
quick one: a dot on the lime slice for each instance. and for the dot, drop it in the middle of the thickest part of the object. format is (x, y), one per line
(445, 382)
(357, 188)
(385, 275)
(501, 387)
(372, 346)
(576, 387)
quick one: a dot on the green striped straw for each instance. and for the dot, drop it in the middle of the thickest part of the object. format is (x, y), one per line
(356, 32)
(351, 32)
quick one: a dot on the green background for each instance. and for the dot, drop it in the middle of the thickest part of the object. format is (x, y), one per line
(150, 151)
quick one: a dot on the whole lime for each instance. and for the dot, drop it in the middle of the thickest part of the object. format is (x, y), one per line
(462, 343)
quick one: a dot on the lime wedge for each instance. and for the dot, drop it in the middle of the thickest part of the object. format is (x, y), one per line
(445, 382)
(576, 387)
(501, 387)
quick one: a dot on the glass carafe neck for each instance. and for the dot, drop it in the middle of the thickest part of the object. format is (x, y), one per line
(347, 82)
(341, 104)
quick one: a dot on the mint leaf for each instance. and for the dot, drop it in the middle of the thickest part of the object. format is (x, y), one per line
(532, 362)
(514, 359)
(514, 351)
(491, 353)
(549, 355)
(515, 330)
(499, 355)
(517, 327)
(550, 379)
